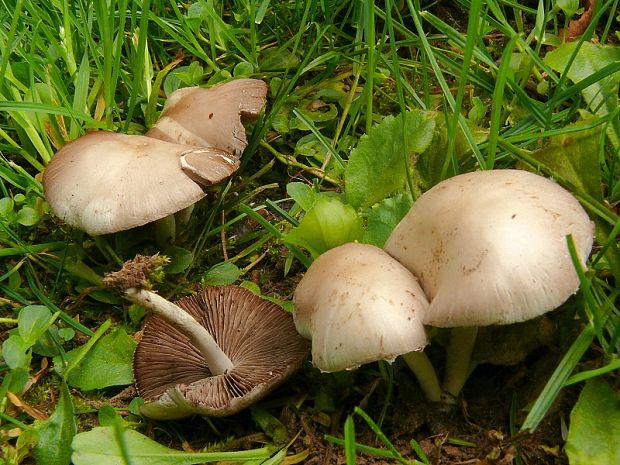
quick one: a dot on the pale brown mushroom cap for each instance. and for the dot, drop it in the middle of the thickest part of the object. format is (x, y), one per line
(257, 335)
(211, 117)
(106, 182)
(489, 247)
(359, 305)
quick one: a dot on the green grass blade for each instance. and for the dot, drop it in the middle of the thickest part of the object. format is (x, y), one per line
(497, 102)
(321, 138)
(80, 96)
(362, 448)
(139, 68)
(473, 26)
(275, 233)
(380, 434)
(589, 374)
(368, 20)
(414, 8)
(45, 300)
(349, 441)
(401, 98)
(6, 53)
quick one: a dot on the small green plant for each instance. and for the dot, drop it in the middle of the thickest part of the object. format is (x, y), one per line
(21, 210)
(376, 181)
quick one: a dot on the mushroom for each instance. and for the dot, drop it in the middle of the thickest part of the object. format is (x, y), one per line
(211, 117)
(106, 182)
(357, 305)
(213, 353)
(489, 248)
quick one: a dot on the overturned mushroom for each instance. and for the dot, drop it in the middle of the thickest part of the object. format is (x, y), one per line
(213, 353)
(489, 247)
(211, 117)
(106, 182)
(359, 305)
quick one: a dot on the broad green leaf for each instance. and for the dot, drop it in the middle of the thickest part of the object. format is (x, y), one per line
(47, 345)
(33, 321)
(594, 433)
(108, 363)
(195, 15)
(107, 416)
(100, 446)
(270, 425)
(27, 216)
(574, 157)
(183, 76)
(277, 58)
(310, 146)
(16, 380)
(328, 224)
(66, 333)
(569, 7)
(15, 352)
(602, 96)
(280, 122)
(252, 286)
(57, 432)
(180, 259)
(6, 207)
(221, 275)
(376, 167)
(301, 193)
(477, 111)
(243, 69)
(383, 218)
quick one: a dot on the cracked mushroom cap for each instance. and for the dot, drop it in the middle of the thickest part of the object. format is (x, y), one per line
(211, 117)
(489, 247)
(106, 182)
(257, 335)
(359, 305)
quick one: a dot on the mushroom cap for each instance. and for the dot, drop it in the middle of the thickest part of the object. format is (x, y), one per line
(359, 305)
(257, 335)
(211, 117)
(489, 247)
(106, 182)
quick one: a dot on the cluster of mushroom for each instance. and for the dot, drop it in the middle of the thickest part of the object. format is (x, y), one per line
(222, 349)
(488, 248)
(107, 182)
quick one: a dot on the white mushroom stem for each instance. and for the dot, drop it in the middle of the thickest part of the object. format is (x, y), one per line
(216, 359)
(458, 358)
(425, 373)
(165, 230)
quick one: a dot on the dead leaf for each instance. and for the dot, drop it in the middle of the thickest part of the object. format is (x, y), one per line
(37, 376)
(578, 26)
(23, 406)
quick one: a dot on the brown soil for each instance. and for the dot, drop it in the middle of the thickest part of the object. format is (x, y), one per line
(476, 431)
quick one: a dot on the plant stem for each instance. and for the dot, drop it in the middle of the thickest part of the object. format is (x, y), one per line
(216, 359)
(425, 373)
(458, 358)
